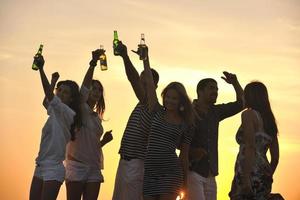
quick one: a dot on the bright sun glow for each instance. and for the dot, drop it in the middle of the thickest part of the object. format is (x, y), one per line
(256, 39)
(181, 196)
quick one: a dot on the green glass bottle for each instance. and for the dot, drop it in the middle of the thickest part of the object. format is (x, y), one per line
(115, 43)
(102, 59)
(34, 66)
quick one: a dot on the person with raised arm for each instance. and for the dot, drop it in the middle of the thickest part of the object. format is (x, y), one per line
(171, 128)
(130, 172)
(84, 155)
(64, 119)
(204, 147)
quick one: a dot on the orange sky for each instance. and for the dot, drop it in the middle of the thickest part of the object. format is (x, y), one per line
(188, 40)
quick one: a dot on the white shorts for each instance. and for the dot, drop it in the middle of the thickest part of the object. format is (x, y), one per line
(76, 171)
(201, 188)
(129, 180)
(50, 173)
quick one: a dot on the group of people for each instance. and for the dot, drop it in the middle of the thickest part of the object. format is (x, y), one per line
(149, 167)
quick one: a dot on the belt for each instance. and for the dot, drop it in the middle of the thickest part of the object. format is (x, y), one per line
(127, 158)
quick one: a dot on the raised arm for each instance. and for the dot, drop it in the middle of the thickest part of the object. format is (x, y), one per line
(274, 151)
(152, 100)
(232, 79)
(87, 81)
(132, 74)
(248, 127)
(54, 79)
(46, 86)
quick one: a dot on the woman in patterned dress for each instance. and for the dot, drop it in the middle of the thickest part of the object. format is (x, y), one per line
(165, 172)
(257, 135)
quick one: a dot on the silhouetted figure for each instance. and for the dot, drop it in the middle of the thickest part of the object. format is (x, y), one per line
(204, 147)
(256, 135)
(130, 173)
(64, 118)
(165, 172)
(84, 155)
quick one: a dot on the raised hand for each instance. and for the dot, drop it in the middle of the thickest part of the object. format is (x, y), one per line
(122, 49)
(55, 77)
(39, 61)
(142, 51)
(229, 77)
(95, 56)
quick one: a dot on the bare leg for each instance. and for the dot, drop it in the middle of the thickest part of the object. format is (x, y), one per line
(50, 190)
(91, 191)
(74, 190)
(36, 189)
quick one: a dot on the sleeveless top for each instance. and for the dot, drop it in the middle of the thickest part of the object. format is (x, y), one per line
(259, 177)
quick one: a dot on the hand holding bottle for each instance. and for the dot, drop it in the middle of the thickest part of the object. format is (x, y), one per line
(122, 49)
(39, 53)
(95, 57)
(142, 50)
(39, 61)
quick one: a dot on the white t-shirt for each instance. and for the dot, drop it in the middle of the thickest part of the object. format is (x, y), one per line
(55, 133)
(86, 148)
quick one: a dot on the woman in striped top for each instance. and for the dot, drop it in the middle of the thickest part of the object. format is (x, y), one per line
(165, 172)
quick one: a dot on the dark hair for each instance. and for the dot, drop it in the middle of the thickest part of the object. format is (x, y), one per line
(155, 76)
(187, 113)
(203, 83)
(256, 97)
(74, 104)
(100, 104)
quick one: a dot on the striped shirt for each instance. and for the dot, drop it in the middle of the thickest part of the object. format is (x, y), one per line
(135, 137)
(163, 170)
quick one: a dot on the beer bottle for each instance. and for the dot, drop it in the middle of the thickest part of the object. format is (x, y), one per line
(34, 66)
(115, 43)
(102, 59)
(142, 48)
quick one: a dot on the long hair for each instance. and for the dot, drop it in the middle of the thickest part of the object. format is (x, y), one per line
(74, 105)
(256, 97)
(185, 109)
(100, 104)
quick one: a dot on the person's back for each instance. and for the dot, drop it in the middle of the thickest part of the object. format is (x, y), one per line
(260, 168)
(134, 140)
(258, 133)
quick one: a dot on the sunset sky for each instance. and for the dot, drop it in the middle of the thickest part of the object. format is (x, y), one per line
(188, 40)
